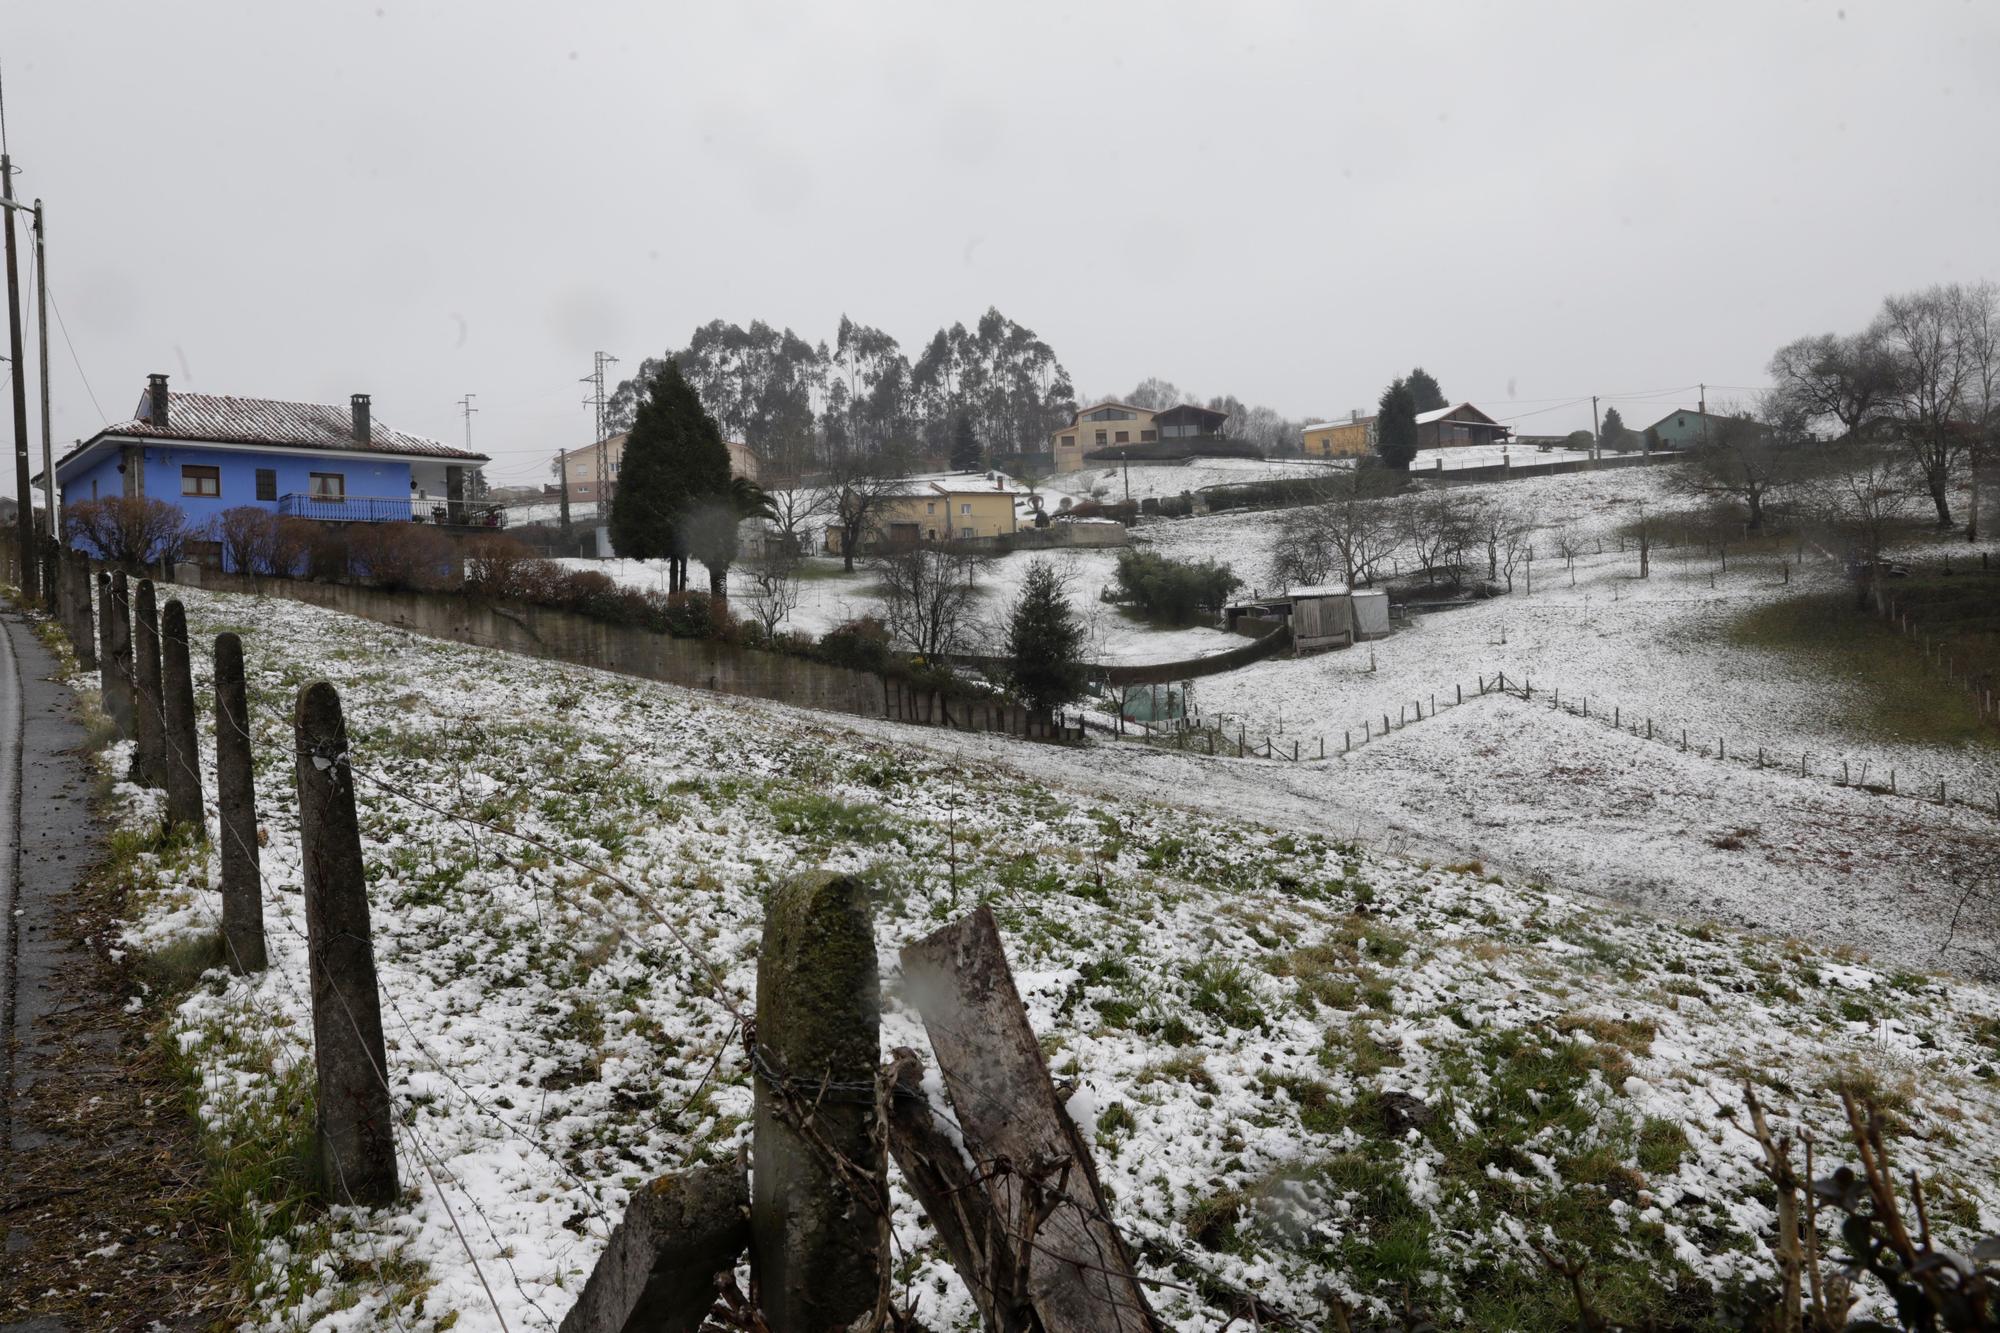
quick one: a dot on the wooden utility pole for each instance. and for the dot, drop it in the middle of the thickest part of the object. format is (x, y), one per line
(18, 375)
(42, 364)
(1596, 431)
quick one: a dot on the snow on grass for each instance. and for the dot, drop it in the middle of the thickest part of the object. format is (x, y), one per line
(1306, 1067)
(830, 597)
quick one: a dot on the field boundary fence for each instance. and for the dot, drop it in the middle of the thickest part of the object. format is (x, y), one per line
(1211, 735)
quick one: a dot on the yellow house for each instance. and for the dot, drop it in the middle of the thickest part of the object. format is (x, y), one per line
(1340, 439)
(930, 511)
(1100, 426)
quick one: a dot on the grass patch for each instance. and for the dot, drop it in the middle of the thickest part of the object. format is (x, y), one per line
(1890, 694)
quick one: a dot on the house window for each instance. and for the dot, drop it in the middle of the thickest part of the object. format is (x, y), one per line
(1148, 435)
(267, 483)
(197, 479)
(1124, 436)
(93, 488)
(327, 485)
(1100, 437)
(1069, 441)
(965, 508)
(967, 532)
(930, 507)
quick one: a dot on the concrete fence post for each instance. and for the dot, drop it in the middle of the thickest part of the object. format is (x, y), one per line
(149, 759)
(355, 1146)
(817, 1242)
(236, 801)
(122, 659)
(177, 717)
(114, 655)
(83, 621)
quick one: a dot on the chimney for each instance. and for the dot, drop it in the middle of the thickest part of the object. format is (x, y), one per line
(362, 427)
(156, 401)
(1353, 416)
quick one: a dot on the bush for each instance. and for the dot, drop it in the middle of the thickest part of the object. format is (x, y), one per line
(861, 644)
(493, 561)
(401, 555)
(326, 553)
(1175, 591)
(291, 542)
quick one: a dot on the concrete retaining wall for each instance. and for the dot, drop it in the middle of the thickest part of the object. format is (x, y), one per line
(537, 631)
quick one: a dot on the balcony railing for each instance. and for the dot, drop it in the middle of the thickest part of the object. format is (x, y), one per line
(385, 509)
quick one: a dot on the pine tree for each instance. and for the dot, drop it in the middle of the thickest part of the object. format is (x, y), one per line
(965, 456)
(1424, 389)
(1045, 642)
(1396, 425)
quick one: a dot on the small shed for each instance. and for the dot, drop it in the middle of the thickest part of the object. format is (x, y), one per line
(1371, 613)
(1321, 617)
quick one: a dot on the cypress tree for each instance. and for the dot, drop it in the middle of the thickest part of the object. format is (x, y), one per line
(1426, 392)
(1396, 425)
(964, 445)
(674, 471)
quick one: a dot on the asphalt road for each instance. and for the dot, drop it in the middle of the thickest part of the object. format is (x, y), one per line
(46, 841)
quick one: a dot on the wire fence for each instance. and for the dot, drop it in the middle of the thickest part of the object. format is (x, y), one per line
(1214, 736)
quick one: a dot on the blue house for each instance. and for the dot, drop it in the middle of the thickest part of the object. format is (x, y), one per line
(207, 453)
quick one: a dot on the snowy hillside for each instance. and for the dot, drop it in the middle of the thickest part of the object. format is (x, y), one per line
(1308, 1068)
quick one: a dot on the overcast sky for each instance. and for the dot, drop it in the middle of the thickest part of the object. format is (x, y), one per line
(1291, 203)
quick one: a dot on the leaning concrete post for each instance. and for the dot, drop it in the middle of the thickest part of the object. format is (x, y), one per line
(120, 697)
(816, 1236)
(657, 1274)
(178, 720)
(236, 797)
(149, 759)
(355, 1148)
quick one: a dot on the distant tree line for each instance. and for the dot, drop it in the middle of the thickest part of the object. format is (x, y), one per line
(804, 407)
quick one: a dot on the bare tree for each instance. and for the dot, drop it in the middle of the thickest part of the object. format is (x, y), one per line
(799, 509)
(1935, 336)
(773, 574)
(1347, 534)
(930, 597)
(1439, 529)
(1863, 495)
(133, 530)
(1744, 460)
(1503, 530)
(1850, 380)
(863, 485)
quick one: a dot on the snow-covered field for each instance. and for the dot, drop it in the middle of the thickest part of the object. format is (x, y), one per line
(1308, 1067)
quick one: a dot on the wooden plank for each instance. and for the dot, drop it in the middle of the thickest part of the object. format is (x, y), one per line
(1039, 1170)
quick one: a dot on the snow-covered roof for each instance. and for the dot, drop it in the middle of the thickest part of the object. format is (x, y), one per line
(1320, 590)
(1350, 421)
(1425, 418)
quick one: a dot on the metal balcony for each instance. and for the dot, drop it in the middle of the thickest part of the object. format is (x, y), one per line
(386, 509)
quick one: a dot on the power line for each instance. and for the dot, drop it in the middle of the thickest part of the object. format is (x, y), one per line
(76, 359)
